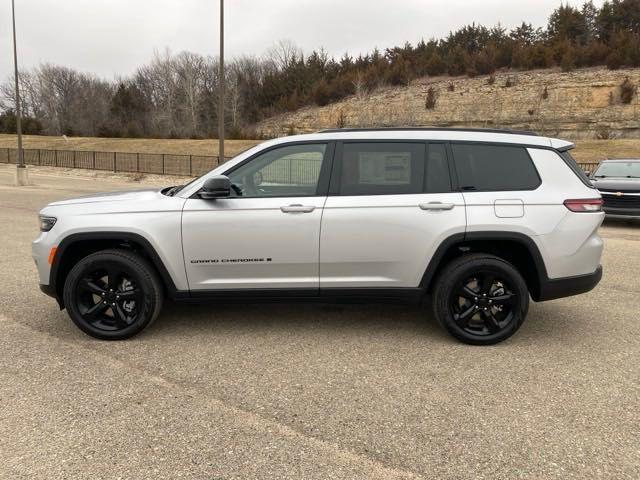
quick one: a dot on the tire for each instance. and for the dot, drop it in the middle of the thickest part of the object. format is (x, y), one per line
(480, 299)
(113, 294)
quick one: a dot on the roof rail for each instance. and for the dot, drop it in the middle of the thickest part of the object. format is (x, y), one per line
(433, 129)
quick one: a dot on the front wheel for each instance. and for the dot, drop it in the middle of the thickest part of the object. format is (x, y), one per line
(481, 299)
(112, 294)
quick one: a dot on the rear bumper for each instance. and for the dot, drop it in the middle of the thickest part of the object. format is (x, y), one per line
(568, 286)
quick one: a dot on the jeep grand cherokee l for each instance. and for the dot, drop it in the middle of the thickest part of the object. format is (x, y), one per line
(480, 220)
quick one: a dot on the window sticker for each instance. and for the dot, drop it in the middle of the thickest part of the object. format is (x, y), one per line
(384, 168)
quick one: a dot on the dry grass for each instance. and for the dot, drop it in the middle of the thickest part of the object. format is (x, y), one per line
(586, 151)
(140, 145)
(596, 150)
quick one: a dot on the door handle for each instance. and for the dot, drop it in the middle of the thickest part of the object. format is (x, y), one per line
(436, 206)
(297, 208)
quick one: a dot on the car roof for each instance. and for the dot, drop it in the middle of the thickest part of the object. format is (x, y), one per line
(435, 134)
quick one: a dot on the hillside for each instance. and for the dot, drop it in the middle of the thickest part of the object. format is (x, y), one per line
(584, 103)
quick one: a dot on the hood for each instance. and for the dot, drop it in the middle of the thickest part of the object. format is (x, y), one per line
(630, 185)
(124, 196)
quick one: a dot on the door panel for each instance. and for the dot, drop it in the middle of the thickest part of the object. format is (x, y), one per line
(267, 235)
(251, 243)
(384, 240)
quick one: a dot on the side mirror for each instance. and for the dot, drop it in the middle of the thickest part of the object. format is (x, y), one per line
(215, 187)
(588, 173)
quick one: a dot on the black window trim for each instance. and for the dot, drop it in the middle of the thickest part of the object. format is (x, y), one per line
(568, 159)
(322, 187)
(327, 173)
(497, 144)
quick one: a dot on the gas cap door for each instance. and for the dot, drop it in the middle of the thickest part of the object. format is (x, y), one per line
(509, 208)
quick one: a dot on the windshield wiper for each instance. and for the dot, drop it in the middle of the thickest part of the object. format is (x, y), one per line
(173, 190)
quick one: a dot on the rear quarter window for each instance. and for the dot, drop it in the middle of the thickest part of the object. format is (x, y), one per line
(494, 167)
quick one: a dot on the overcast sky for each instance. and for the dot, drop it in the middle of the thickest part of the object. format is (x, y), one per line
(113, 37)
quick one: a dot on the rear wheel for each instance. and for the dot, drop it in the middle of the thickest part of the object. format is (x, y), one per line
(481, 299)
(113, 294)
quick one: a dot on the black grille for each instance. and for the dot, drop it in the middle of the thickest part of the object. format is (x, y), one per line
(624, 201)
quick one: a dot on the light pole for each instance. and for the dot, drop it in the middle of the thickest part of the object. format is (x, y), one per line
(21, 171)
(221, 88)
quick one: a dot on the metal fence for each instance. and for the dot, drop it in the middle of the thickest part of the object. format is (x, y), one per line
(158, 163)
(589, 166)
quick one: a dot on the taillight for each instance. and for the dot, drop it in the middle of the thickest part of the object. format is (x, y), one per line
(584, 205)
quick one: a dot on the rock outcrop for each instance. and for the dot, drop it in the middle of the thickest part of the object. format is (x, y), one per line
(585, 103)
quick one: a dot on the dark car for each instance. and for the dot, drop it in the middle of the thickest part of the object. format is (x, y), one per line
(619, 184)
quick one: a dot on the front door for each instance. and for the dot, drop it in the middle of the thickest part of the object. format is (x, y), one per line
(267, 234)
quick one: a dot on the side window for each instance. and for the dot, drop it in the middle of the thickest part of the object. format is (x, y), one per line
(437, 177)
(292, 170)
(376, 168)
(494, 167)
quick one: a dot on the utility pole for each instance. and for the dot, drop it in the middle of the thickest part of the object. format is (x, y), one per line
(221, 88)
(21, 171)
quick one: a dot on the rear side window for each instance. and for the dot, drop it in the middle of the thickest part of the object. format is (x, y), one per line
(378, 168)
(494, 167)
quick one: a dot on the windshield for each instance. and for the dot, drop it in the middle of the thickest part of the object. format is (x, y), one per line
(618, 169)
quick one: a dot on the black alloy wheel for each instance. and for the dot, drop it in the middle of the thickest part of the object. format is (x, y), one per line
(108, 298)
(483, 304)
(481, 299)
(112, 294)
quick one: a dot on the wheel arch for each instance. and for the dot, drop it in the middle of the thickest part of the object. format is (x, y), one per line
(517, 248)
(78, 245)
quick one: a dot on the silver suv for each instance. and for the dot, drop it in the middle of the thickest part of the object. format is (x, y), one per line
(480, 220)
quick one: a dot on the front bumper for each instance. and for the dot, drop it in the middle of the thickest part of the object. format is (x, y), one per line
(48, 290)
(611, 212)
(565, 287)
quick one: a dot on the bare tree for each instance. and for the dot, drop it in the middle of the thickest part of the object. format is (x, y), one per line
(283, 54)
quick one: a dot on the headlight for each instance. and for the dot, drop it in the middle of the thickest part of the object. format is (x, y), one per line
(47, 223)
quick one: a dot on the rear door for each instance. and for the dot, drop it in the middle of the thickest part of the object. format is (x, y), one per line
(390, 205)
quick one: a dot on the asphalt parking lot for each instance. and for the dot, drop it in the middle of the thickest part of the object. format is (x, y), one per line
(314, 391)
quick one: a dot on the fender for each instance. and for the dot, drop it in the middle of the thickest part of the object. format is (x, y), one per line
(125, 237)
(521, 238)
(460, 239)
